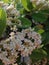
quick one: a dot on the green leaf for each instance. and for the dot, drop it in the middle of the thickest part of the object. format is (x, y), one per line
(38, 54)
(45, 37)
(47, 50)
(25, 22)
(40, 31)
(25, 4)
(46, 25)
(2, 21)
(7, 1)
(39, 17)
(46, 11)
(19, 6)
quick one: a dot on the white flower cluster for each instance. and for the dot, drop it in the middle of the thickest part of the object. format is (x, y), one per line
(24, 42)
(41, 3)
(11, 11)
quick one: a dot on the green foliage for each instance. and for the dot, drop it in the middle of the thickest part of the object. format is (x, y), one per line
(25, 4)
(40, 31)
(2, 21)
(7, 1)
(39, 17)
(45, 39)
(30, 12)
(46, 11)
(38, 54)
(25, 22)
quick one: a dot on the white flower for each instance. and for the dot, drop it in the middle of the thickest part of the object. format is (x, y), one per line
(9, 22)
(12, 33)
(43, 3)
(6, 61)
(15, 64)
(9, 8)
(17, 42)
(20, 36)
